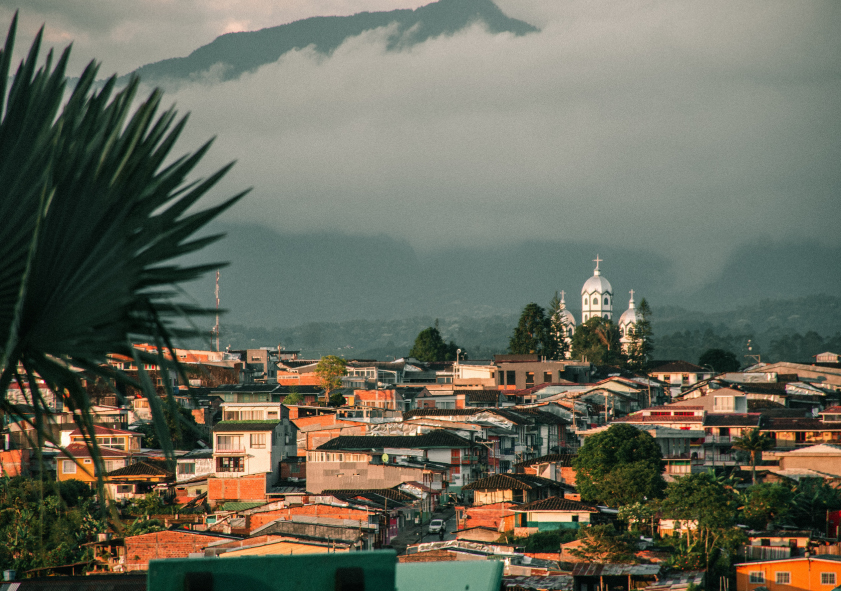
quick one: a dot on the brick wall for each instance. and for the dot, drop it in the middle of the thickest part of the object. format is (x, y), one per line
(250, 489)
(14, 462)
(259, 519)
(164, 544)
(496, 515)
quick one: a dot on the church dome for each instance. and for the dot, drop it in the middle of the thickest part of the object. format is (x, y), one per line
(568, 318)
(596, 283)
(631, 315)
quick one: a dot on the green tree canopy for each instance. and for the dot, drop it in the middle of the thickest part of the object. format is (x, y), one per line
(641, 347)
(533, 334)
(619, 466)
(709, 508)
(429, 346)
(330, 370)
(603, 544)
(182, 429)
(767, 505)
(597, 341)
(720, 360)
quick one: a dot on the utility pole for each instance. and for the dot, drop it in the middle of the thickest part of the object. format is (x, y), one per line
(216, 327)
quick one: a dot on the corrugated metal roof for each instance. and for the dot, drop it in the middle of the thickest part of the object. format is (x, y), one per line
(592, 569)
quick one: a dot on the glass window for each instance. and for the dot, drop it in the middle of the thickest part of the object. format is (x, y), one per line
(783, 578)
(228, 442)
(757, 577)
(828, 579)
(511, 378)
(187, 468)
(606, 301)
(258, 440)
(595, 301)
(547, 377)
(230, 464)
(529, 379)
(585, 301)
(68, 467)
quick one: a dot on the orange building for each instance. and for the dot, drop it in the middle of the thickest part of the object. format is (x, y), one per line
(813, 573)
(115, 448)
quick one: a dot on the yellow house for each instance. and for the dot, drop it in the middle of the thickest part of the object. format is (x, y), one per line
(115, 448)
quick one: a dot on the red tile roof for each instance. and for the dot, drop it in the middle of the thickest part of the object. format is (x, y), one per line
(80, 450)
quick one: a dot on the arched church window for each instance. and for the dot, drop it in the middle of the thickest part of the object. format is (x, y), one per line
(585, 301)
(606, 301)
(585, 317)
(595, 301)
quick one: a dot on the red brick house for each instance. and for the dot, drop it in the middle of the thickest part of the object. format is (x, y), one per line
(167, 544)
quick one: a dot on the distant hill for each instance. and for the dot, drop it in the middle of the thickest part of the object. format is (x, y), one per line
(233, 54)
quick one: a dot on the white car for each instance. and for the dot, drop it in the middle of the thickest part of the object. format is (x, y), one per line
(436, 525)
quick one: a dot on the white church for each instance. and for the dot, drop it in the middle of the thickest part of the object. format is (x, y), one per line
(597, 300)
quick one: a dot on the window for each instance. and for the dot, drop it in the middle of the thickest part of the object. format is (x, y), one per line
(294, 469)
(228, 443)
(547, 377)
(606, 301)
(187, 468)
(585, 301)
(595, 301)
(783, 578)
(511, 378)
(112, 442)
(757, 577)
(828, 579)
(575, 518)
(230, 465)
(502, 378)
(68, 467)
(258, 440)
(529, 379)
(272, 414)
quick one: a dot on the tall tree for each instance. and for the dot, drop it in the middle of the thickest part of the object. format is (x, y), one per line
(597, 341)
(533, 334)
(753, 441)
(96, 215)
(604, 545)
(330, 370)
(430, 346)
(642, 346)
(559, 327)
(619, 466)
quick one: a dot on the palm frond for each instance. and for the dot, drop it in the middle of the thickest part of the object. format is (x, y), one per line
(93, 224)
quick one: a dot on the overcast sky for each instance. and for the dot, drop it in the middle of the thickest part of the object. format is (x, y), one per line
(683, 128)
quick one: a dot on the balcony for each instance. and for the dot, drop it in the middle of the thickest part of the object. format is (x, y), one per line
(719, 439)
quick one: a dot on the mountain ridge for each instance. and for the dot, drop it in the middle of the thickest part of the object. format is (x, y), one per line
(232, 54)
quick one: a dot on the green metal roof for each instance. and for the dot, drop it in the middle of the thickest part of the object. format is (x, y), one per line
(237, 506)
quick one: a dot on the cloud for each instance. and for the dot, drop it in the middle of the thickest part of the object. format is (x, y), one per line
(126, 35)
(680, 128)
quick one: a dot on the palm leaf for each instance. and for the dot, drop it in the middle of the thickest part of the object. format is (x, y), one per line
(93, 224)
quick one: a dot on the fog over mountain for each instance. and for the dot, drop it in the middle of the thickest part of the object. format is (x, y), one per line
(468, 157)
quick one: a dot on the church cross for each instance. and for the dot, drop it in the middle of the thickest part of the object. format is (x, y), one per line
(563, 293)
(632, 294)
(597, 260)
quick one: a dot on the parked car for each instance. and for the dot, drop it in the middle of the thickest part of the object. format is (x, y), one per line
(436, 525)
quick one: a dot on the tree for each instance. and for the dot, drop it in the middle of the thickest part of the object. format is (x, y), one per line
(641, 347)
(533, 334)
(753, 441)
(429, 346)
(330, 370)
(619, 466)
(559, 327)
(720, 360)
(767, 504)
(597, 341)
(95, 212)
(182, 429)
(602, 544)
(294, 397)
(708, 509)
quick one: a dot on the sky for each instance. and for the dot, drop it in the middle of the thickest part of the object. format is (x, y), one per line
(683, 129)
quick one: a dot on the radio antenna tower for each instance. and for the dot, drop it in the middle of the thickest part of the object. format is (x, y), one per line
(216, 327)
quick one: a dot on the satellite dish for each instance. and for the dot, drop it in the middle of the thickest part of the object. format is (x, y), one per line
(385, 458)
